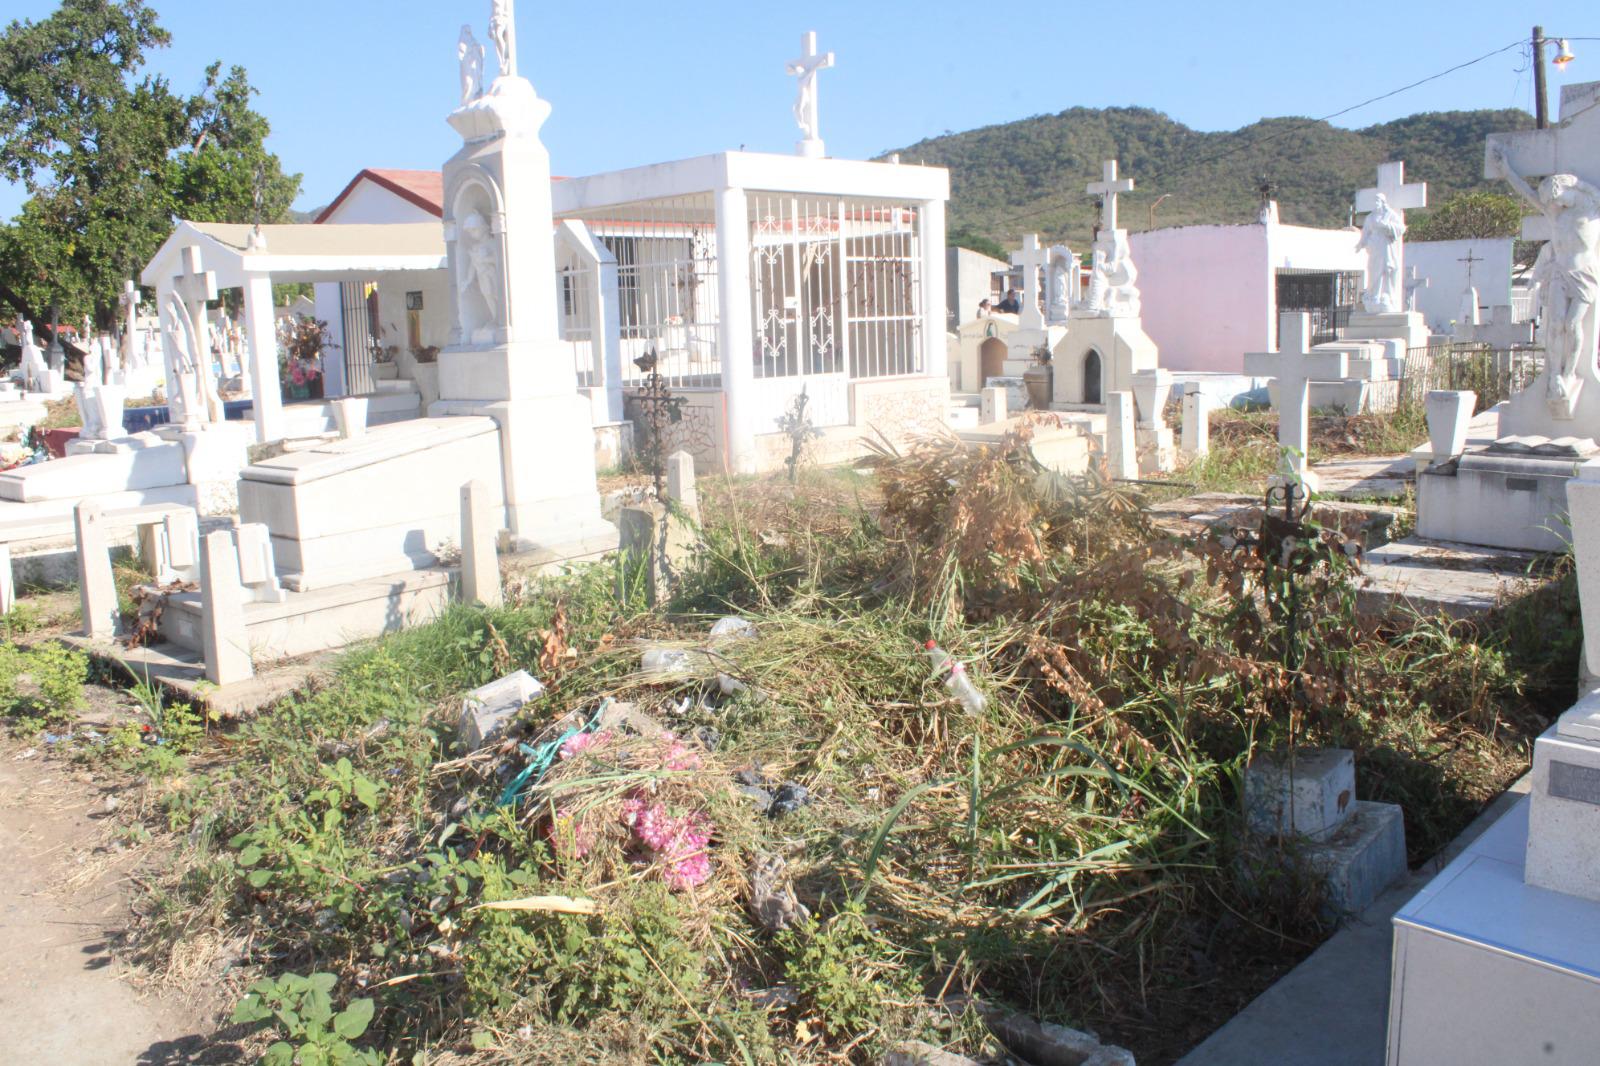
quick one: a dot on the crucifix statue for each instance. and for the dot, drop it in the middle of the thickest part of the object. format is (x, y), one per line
(503, 32)
(1567, 274)
(805, 68)
(1383, 235)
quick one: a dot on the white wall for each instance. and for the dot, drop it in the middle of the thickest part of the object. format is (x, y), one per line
(1440, 302)
(1205, 293)
(370, 202)
(969, 277)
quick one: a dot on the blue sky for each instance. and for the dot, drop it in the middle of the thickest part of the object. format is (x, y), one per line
(355, 83)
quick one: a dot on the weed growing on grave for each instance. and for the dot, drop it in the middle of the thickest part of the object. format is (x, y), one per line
(42, 684)
(1074, 851)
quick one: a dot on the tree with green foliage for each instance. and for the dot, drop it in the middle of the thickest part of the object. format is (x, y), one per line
(110, 156)
(963, 237)
(1468, 216)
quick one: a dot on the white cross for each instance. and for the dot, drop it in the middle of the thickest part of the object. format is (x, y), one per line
(1296, 365)
(1107, 189)
(130, 309)
(1414, 281)
(805, 104)
(196, 287)
(1392, 184)
(1030, 259)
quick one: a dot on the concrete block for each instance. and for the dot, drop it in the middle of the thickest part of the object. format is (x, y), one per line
(97, 589)
(1449, 414)
(1121, 454)
(680, 482)
(1310, 795)
(1196, 423)
(1564, 811)
(224, 640)
(1362, 858)
(480, 562)
(655, 547)
(992, 405)
(486, 711)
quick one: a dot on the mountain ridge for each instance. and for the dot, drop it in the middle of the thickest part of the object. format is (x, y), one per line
(1011, 178)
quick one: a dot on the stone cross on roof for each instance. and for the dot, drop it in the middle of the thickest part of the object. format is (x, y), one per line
(1392, 185)
(1107, 189)
(1030, 259)
(805, 69)
(1296, 364)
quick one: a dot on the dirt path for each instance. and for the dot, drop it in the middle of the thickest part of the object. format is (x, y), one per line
(62, 894)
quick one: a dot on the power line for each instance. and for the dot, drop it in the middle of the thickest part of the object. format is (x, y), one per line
(1194, 164)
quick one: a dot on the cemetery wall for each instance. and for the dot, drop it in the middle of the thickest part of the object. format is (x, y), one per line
(969, 277)
(1440, 262)
(1206, 294)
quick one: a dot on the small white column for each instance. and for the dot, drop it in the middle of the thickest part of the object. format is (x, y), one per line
(935, 315)
(266, 399)
(1196, 422)
(607, 333)
(97, 589)
(8, 585)
(734, 333)
(480, 565)
(1121, 456)
(680, 481)
(224, 639)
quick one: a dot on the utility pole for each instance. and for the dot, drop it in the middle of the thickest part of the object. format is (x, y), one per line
(1541, 119)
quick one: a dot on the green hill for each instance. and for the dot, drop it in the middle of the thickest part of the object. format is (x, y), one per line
(1028, 176)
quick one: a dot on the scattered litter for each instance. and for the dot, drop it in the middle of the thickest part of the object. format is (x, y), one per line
(659, 662)
(111, 804)
(707, 736)
(486, 711)
(558, 904)
(789, 798)
(541, 757)
(627, 717)
(732, 627)
(778, 997)
(773, 802)
(955, 677)
(25, 754)
(772, 897)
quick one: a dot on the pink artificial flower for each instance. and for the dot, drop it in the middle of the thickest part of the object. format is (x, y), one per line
(579, 743)
(679, 842)
(567, 828)
(676, 755)
(297, 375)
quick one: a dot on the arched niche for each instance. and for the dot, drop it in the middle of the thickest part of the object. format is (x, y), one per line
(991, 360)
(1093, 377)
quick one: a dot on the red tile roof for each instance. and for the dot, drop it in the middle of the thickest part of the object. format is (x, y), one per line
(425, 188)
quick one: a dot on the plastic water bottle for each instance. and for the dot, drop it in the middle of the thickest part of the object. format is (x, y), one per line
(955, 678)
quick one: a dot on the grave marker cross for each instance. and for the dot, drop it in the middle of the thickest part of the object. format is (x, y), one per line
(1107, 189)
(1296, 364)
(1030, 259)
(129, 301)
(1414, 281)
(1392, 184)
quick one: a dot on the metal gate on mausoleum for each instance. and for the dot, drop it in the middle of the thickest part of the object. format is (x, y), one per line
(1328, 296)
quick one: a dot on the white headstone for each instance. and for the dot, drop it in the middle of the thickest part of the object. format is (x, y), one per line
(680, 482)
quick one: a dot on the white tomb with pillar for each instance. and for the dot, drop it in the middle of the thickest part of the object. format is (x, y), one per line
(1512, 492)
(509, 411)
(1497, 958)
